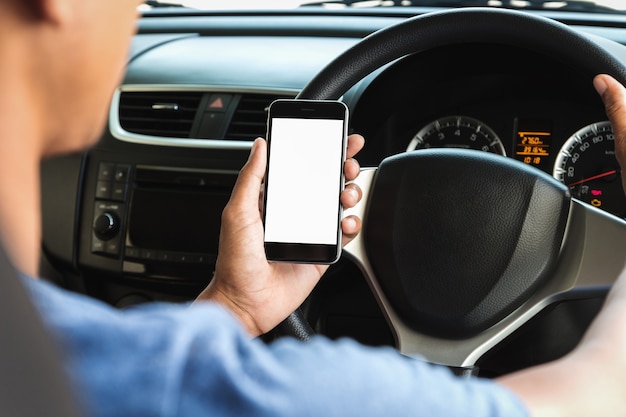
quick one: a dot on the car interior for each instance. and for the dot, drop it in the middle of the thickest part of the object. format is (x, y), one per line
(493, 207)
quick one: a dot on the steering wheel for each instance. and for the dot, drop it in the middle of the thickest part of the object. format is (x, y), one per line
(535, 245)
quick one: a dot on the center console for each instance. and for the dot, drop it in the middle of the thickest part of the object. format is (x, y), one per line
(145, 222)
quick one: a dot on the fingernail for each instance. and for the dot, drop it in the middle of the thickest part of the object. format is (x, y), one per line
(354, 195)
(600, 85)
(349, 223)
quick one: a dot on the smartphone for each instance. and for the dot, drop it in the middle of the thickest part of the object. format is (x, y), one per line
(306, 152)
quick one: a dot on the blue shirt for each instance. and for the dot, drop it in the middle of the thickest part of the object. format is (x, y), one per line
(196, 360)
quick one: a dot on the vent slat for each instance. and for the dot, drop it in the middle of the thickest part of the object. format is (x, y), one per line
(250, 118)
(171, 114)
(139, 115)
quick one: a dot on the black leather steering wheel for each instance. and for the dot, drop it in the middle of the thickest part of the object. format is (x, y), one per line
(418, 249)
(465, 25)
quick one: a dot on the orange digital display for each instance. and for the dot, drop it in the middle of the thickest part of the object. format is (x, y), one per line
(532, 145)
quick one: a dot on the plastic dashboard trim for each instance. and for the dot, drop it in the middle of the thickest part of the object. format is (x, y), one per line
(121, 134)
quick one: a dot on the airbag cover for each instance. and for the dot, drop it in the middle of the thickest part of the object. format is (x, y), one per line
(458, 239)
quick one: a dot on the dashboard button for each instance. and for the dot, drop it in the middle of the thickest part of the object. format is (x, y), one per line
(121, 173)
(106, 226)
(103, 189)
(105, 171)
(131, 252)
(118, 191)
(112, 247)
(219, 102)
(97, 245)
(147, 254)
(164, 256)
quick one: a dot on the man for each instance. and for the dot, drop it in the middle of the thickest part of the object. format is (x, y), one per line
(59, 63)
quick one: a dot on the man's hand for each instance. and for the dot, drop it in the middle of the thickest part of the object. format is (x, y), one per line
(614, 97)
(261, 293)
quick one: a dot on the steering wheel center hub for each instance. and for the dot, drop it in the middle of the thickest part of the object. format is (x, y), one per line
(462, 237)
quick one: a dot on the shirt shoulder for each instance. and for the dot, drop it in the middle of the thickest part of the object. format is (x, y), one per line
(196, 360)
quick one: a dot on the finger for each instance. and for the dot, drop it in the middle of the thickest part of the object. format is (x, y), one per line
(614, 97)
(355, 144)
(248, 185)
(351, 195)
(351, 169)
(350, 227)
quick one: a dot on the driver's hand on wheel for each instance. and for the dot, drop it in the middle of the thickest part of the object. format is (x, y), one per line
(614, 97)
(260, 293)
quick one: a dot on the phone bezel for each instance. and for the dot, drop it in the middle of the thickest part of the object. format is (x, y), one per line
(298, 252)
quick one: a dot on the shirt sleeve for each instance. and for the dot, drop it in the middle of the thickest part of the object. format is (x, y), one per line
(177, 360)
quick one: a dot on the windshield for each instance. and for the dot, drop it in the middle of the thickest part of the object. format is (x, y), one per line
(599, 6)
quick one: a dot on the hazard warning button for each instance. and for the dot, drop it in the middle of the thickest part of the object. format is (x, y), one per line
(219, 102)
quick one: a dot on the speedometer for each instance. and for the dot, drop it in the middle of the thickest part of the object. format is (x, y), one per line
(587, 165)
(457, 132)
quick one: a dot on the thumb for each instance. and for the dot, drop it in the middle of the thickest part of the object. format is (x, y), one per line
(614, 97)
(248, 186)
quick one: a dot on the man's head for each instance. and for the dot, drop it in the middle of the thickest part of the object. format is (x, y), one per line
(71, 55)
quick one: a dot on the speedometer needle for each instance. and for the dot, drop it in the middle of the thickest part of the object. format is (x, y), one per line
(595, 177)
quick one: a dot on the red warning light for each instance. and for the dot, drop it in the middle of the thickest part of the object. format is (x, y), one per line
(217, 104)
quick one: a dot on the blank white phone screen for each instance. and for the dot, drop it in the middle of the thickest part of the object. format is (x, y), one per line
(304, 180)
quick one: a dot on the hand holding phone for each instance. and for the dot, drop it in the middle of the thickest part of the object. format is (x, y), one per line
(306, 151)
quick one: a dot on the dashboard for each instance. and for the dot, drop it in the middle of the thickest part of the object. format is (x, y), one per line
(505, 100)
(140, 211)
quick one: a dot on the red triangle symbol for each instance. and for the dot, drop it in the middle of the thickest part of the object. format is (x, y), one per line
(217, 104)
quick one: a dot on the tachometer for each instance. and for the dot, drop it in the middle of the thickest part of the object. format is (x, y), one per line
(587, 165)
(457, 132)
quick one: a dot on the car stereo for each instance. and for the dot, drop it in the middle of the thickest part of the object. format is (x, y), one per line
(159, 222)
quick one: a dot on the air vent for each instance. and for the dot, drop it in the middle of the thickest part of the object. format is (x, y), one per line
(250, 118)
(164, 114)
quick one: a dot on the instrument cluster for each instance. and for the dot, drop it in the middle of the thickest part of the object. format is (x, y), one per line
(585, 162)
(503, 100)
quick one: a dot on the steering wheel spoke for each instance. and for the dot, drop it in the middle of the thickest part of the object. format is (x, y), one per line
(587, 261)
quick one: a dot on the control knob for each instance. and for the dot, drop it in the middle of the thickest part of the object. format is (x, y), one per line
(106, 226)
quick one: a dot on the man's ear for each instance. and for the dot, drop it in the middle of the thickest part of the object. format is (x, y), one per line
(53, 11)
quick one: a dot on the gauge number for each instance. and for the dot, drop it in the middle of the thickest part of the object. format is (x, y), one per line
(586, 163)
(457, 132)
